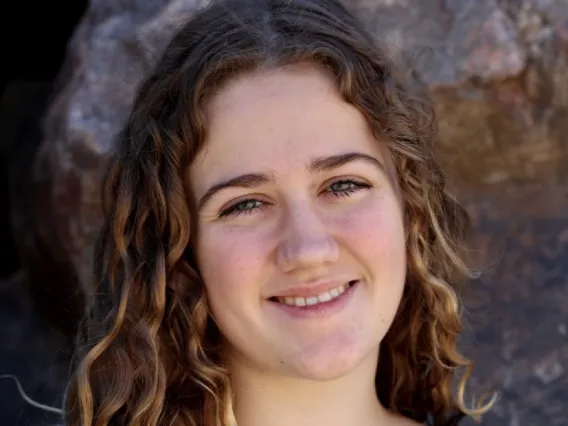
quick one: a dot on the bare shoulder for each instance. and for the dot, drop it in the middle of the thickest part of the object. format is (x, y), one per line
(405, 421)
(409, 422)
(398, 420)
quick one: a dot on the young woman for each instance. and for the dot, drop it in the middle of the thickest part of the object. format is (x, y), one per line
(278, 245)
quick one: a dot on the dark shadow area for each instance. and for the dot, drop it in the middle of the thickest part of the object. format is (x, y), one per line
(34, 37)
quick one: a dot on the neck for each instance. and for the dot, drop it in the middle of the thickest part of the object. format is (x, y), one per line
(261, 399)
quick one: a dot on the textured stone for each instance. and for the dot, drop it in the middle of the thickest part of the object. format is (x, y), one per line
(517, 312)
(109, 54)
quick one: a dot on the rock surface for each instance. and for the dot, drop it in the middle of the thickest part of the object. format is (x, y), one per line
(498, 72)
(32, 350)
(517, 311)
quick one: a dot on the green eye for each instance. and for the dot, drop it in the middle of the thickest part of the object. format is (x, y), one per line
(346, 187)
(242, 207)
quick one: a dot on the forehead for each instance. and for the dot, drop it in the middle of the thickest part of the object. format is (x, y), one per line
(266, 84)
(279, 119)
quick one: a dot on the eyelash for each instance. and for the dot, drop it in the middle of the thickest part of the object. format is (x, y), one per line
(354, 186)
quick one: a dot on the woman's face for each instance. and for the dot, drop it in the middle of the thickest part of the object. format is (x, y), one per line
(300, 237)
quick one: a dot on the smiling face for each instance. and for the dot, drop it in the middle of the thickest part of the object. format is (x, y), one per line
(300, 238)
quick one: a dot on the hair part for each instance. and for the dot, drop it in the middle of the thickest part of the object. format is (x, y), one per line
(149, 351)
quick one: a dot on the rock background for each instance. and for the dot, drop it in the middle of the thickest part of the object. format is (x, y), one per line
(498, 72)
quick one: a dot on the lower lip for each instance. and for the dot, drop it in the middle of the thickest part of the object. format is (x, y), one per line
(319, 309)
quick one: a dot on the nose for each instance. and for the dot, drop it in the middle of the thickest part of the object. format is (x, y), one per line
(306, 244)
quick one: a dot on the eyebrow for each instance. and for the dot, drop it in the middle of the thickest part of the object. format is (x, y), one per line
(318, 164)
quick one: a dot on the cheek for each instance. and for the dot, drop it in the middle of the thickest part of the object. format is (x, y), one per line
(229, 263)
(375, 231)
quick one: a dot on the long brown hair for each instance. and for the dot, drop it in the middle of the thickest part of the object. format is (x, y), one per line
(148, 352)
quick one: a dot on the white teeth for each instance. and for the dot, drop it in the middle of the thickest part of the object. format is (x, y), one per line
(313, 300)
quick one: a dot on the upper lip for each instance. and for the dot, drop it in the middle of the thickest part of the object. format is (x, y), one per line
(312, 289)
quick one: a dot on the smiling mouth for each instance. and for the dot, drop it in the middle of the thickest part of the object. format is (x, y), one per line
(324, 297)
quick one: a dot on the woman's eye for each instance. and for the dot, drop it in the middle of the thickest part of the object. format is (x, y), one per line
(340, 188)
(346, 187)
(242, 207)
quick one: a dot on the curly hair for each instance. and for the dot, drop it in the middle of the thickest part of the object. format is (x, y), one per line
(148, 349)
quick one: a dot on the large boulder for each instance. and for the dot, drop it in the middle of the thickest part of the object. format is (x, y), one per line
(498, 73)
(56, 193)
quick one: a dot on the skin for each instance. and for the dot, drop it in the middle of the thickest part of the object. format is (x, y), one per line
(295, 227)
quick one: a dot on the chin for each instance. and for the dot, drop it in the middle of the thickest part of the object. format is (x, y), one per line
(332, 364)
